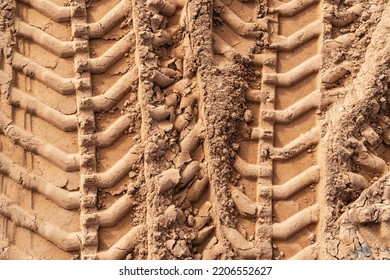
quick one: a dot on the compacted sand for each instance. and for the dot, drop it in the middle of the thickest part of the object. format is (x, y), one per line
(194, 129)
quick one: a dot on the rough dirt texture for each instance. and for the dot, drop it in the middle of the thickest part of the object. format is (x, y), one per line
(194, 129)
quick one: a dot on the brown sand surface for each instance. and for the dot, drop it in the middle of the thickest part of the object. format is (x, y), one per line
(194, 129)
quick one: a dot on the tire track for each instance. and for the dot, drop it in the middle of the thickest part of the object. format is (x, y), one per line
(25, 129)
(245, 33)
(82, 86)
(114, 76)
(297, 165)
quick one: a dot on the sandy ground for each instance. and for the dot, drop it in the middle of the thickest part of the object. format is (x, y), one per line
(199, 129)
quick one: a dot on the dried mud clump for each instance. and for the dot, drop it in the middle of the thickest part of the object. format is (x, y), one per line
(7, 13)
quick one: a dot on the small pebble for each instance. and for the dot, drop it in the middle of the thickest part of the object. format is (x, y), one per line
(373, 8)
(248, 116)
